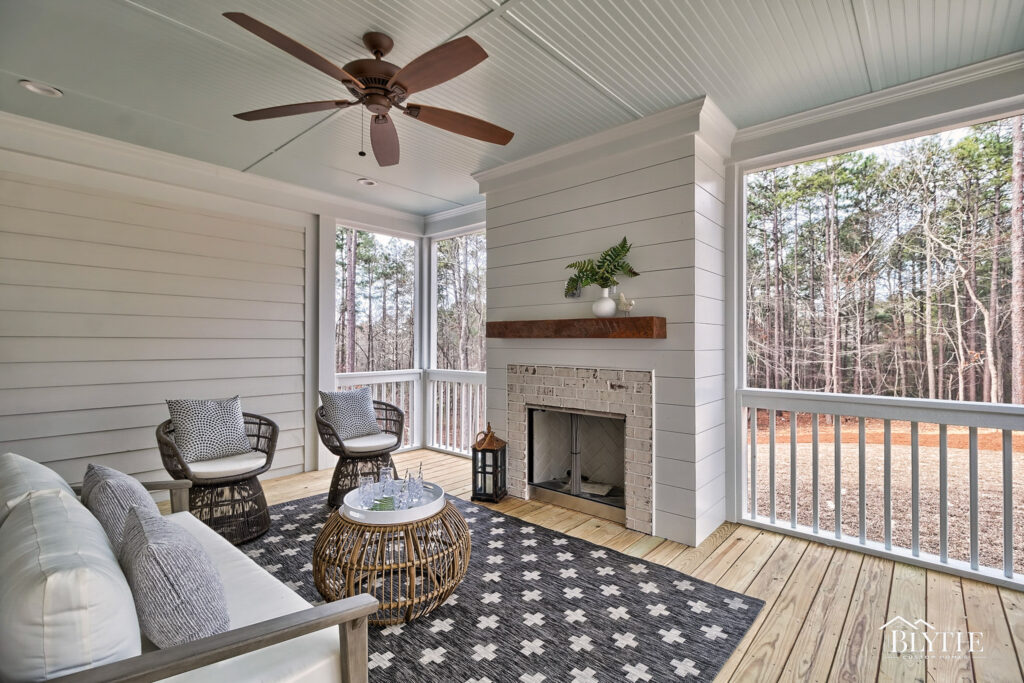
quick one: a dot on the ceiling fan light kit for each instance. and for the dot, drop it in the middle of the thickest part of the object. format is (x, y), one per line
(381, 86)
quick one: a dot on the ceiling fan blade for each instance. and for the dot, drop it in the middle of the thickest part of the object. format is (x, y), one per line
(293, 47)
(460, 123)
(439, 65)
(292, 109)
(384, 140)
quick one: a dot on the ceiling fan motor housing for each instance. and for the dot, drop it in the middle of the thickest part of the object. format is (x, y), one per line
(374, 75)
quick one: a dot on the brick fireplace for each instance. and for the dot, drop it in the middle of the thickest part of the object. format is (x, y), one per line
(625, 393)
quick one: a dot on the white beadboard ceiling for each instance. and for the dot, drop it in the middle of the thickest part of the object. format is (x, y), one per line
(169, 74)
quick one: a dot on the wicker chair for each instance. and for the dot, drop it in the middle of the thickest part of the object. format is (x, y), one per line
(353, 459)
(232, 504)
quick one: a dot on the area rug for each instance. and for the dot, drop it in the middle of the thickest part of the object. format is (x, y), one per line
(536, 605)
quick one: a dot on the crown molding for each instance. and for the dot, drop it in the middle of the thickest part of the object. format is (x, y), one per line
(58, 143)
(685, 119)
(453, 221)
(975, 92)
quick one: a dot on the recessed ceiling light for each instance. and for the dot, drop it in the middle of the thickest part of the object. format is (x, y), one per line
(367, 182)
(40, 88)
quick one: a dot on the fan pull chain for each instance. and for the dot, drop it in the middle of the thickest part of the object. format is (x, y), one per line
(362, 132)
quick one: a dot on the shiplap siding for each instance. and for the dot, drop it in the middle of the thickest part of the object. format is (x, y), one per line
(111, 303)
(667, 198)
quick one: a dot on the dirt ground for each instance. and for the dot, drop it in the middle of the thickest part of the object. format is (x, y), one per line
(990, 488)
(874, 433)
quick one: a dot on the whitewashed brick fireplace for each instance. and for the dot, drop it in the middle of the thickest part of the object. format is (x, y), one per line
(629, 393)
(659, 182)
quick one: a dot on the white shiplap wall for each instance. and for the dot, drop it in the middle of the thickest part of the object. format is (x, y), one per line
(664, 190)
(111, 303)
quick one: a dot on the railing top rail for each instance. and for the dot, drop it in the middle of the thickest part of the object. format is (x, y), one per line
(960, 413)
(467, 376)
(346, 378)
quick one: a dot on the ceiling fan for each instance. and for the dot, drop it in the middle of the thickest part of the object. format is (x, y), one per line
(380, 85)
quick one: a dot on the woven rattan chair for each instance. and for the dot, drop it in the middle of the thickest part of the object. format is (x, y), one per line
(230, 502)
(353, 456)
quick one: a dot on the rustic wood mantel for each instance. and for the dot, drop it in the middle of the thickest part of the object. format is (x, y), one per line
(640, 327)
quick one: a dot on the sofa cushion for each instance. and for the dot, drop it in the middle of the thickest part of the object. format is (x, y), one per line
(19, 476)
(64, 603)
(309, 659)
(225, 467)
(367, 444)
(205, 429)
(109, 495)
(351, 413)
(178, 592)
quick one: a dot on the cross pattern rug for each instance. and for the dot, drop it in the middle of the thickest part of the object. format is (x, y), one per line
(535, 606)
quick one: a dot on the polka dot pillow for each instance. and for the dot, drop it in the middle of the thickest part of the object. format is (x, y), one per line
(351, 413)
(207, 429)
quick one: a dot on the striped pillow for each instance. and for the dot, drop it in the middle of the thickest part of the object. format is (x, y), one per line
(178, 593)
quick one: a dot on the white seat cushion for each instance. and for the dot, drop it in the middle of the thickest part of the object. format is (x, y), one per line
(225, 467)
(19, 476)
(373, 442)
(254, 595)
(64, 603)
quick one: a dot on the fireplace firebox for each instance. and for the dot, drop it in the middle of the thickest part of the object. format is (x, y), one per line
(577, 459)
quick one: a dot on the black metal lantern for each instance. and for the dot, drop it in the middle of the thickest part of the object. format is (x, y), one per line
(489, 465)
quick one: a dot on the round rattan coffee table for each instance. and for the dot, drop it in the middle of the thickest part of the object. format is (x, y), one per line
(410, 560)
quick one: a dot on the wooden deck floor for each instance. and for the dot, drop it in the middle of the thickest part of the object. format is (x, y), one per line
(823, 606)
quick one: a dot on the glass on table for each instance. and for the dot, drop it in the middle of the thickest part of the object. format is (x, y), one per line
(367, 482)
(387, 479)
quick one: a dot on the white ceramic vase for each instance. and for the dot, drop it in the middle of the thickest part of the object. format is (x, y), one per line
(605, 306)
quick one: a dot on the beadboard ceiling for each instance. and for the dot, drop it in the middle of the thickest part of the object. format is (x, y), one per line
(169, 74)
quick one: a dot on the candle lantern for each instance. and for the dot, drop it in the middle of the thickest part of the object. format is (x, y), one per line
(489, 465)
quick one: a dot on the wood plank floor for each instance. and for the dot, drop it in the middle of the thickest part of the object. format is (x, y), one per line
(823, 606)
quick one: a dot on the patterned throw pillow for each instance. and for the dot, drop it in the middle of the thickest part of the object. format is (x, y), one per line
(351, 413)
(110, 495)
(178, 592)
(207, 429)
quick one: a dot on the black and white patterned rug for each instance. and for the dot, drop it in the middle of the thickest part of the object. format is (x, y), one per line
(536, 605)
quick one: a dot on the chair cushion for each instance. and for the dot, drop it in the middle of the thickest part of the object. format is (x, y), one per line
(109, 495)
(312, 658)
(19, 476)
(178, 591)
(206, 429)
(368, 444)
(351, 413)
(64, 603)
(225, 467)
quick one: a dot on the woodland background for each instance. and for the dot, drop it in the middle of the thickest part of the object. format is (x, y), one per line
(896, 271)
(375, 281)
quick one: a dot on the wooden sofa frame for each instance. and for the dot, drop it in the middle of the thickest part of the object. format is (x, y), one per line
(349, 615)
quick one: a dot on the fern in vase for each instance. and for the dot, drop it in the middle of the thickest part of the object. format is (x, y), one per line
(601, 271)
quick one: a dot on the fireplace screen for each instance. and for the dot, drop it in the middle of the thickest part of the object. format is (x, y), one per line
(578, 454)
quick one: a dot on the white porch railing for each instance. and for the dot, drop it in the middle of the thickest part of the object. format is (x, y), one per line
(444, 409)
(912, 491)
(458, 409)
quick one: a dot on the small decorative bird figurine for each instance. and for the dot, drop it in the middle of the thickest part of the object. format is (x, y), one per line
(623, 305)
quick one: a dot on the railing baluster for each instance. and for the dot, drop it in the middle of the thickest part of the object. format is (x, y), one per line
(943, 493)
(1008, 503)
(887, 475)
(915, 492)
(837, 429)
(862, 505)
(792, 468)
(814, 471)
(973, 441)
(771, 465)
(753, 463)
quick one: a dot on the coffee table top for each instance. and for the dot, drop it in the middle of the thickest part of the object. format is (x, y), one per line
(429, 504)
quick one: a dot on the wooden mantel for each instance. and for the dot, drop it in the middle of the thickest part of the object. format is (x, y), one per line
(640, 327)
